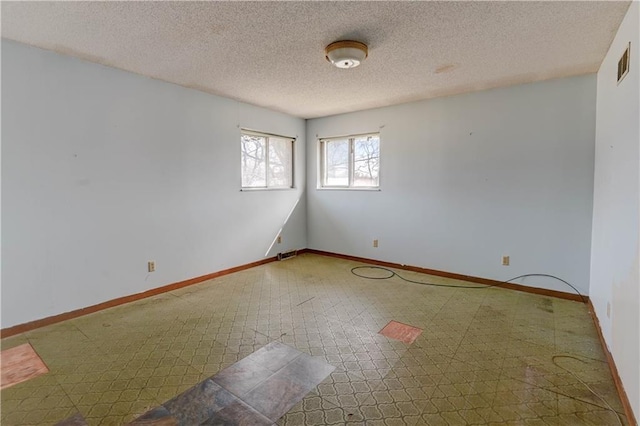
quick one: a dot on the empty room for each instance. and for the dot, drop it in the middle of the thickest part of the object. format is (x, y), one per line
(320, 213)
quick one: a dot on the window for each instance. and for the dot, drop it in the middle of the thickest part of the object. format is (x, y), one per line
(267, 160)
(350, 162)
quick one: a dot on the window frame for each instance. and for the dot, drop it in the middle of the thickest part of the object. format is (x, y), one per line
(322, 166)
(256, 133)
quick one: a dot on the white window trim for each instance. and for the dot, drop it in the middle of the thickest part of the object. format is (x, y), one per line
(250, 132)
(349, 187)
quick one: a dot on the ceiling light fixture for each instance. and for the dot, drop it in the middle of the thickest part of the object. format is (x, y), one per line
(346, 53)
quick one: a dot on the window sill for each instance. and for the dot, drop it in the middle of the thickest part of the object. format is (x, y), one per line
(333, 188)
(265, 189)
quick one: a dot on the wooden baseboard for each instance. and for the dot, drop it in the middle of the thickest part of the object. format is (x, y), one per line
(470, 278)
(614, 370)
(21, 328)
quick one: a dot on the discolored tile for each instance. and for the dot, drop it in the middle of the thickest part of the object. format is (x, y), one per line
(274, 356)
(75, 420)
(20, 364)
(158, 416)
(199, 403)
(307, 370)
(164, 421)
(242, 376)
(237, 414)
(275, 396)
(402, 332)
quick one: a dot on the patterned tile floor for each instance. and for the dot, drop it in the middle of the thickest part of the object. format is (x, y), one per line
(484, 356)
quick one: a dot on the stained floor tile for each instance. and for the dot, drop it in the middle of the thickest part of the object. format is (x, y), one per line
(403, 332)
(159, 416)
(307, 371)
(274, 356)
(75, 420)
(270, 392)
(242, 376)
(20, 364)
(275, 396)
(237, 414)
(198, 403)
(273, 379)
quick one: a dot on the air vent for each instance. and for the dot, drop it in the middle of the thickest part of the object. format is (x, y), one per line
(287, 254)
(623, 64)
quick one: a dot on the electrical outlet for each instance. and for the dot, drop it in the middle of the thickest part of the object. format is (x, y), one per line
(375, 243)
(279, 240)
(505, 260)
(151, 266)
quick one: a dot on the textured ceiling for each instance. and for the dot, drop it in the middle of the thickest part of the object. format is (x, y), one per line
(272, 53)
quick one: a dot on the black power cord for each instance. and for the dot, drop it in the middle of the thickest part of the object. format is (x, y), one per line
(582, 296)
(392, 273)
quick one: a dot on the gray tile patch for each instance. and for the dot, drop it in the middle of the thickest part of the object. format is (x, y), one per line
(259, 388)
(237, 414)
(159, 416)
(199, 403)
(274, 356)
(242, 376)
(75, 420)
(308, 370)
(276, 395)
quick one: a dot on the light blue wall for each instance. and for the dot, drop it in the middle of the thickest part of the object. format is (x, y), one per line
(103, 170)
(470, 178)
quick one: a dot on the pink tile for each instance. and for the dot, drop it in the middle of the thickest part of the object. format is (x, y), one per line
(399, 331)
(20, 364)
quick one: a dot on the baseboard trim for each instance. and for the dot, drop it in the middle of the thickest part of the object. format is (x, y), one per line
(614, 370)
(22, 328)
(470, 278)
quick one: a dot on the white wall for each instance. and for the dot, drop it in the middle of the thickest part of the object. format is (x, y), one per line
(103, 170)
(467, 179)
(615, 276)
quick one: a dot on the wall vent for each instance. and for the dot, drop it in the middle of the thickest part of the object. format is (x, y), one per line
(623, 64)
(287, 254)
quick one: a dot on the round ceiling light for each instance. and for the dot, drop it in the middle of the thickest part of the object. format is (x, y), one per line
(346, 53)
